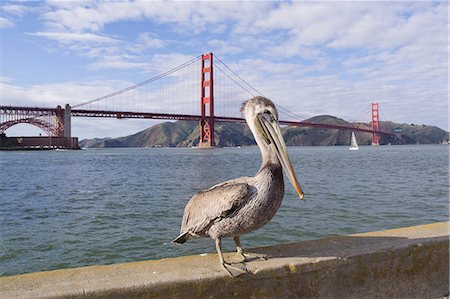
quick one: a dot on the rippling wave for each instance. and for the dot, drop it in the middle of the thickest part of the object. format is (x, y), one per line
(76, 208)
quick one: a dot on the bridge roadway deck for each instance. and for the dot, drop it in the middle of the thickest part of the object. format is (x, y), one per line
(149, 115)
(37, 111)
(411, 262)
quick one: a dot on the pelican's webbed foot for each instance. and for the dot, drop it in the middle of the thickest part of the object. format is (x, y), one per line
(235, 269)
(247, 256)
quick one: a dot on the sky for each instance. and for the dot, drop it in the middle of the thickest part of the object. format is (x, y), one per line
(309, 57)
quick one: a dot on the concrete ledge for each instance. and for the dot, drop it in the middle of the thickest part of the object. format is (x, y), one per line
(410, 262)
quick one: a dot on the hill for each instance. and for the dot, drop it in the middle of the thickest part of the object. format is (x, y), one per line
(186, 134)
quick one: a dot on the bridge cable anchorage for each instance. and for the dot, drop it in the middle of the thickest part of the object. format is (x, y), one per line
(171, 71)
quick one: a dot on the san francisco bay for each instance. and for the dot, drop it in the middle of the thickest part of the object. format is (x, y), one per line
(61, 209)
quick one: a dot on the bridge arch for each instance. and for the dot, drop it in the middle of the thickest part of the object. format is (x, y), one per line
(45, 126)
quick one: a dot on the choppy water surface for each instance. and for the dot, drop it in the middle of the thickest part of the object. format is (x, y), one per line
(64, 209)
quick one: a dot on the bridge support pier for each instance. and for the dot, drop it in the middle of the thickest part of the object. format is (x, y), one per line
(63, 122)
(58, 122)
(207, 103)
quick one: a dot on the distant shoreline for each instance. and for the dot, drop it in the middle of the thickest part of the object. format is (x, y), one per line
(186, 134)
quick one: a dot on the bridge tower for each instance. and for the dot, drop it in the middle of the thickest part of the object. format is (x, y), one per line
(207, 102)
(375, 123)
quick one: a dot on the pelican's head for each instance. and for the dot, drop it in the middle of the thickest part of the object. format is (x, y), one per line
(262, 117)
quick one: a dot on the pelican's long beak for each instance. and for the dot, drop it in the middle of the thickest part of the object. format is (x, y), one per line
(272, 132)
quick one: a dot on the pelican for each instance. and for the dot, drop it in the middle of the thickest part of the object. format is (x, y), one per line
(245, 204)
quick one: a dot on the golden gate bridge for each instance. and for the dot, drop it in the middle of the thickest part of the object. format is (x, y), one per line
(203, 89)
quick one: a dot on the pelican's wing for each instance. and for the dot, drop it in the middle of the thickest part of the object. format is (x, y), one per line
(208, 206)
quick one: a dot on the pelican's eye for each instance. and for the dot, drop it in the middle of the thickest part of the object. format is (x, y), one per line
(269, 114)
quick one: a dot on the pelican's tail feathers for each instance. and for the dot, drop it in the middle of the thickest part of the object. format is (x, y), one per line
(182, 238)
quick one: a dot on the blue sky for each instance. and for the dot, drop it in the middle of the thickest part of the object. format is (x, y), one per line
(310, 57)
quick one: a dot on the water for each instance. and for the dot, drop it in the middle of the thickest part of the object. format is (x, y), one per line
(63, 209)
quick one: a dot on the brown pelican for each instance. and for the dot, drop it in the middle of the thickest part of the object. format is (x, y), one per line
(242, 205)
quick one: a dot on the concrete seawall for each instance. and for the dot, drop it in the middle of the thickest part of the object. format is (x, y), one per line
(37, 143)
(410, 262)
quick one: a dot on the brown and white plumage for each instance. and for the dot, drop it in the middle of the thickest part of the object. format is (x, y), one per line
(210, 206)
(242, 205)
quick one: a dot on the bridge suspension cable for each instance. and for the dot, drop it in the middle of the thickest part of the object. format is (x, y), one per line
(253, 91)
(360, 116)
(215, 65)
(234, 73)
(175, 97)
(169, 72)
(384, 116)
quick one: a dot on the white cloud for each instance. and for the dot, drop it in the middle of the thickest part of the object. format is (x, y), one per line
(388, 29)
(71, 37)
(4, 79)
(6, 23)
(166, 61)
(347, 25)
(311, 57)
(50, 95)
(223, 47)
(68, 4)
(16, 9)
(188, 16)
(151, 40)
(355, 24)
(107, 52)
(77, 18)
(117, 62)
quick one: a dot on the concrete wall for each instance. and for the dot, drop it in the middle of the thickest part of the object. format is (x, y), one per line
(408, 262)
(21, 142)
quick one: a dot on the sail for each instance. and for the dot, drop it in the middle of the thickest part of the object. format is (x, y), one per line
(354, 143)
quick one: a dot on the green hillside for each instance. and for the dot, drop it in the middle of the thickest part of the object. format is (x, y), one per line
(186, 134)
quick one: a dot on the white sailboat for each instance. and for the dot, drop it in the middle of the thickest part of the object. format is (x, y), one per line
(354, 144)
